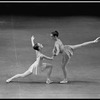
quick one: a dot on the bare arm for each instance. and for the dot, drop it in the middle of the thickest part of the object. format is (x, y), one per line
(47, 58)
(32, 40)
(56, 50)
(85, 43)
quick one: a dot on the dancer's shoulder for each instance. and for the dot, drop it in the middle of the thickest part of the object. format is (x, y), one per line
(58, 41)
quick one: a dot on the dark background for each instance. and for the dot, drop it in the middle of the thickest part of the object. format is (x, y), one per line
(50, 9)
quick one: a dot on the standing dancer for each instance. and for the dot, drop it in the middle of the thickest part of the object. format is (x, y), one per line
(66, 51)
(38, 63)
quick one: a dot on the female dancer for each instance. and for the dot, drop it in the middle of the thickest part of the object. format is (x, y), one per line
(66, 51)
(38, 63)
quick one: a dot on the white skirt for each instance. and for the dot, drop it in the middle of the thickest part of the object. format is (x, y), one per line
(68, 50)
(33, 68)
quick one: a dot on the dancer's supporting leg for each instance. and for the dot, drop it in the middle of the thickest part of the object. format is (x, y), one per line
(47, 66)
(65, 61)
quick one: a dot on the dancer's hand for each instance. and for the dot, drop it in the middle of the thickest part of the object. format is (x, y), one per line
(32, 40)
(32, 37)
(52, 57)
(97, 40)
(54, 54)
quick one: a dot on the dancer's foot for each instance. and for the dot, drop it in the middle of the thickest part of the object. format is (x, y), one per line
(8, 80)
(48, 81)
(97, 39)
(64, 81)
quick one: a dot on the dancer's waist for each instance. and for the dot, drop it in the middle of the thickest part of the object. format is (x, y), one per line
(67, 51)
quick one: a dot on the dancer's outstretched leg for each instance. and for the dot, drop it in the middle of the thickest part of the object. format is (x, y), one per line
(85, 43)
(47, 66)
(28, 72)
(19, 75)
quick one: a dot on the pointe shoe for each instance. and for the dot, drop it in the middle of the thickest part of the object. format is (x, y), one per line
(64, 81)
(8, 80)
(48, 81)
(97, 39)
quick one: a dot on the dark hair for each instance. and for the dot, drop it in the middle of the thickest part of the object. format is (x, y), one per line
(55, 33)
(36, 47)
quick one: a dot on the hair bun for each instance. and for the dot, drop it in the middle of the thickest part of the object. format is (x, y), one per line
(55, 33)
(36, 47)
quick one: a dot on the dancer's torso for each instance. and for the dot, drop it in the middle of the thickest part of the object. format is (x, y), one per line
(64, 49)
(39, 59)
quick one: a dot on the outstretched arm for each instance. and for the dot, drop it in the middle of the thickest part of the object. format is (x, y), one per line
(47, 58)
(32, 40)
(85, 43)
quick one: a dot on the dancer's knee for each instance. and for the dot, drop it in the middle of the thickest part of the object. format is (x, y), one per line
(63, 67)
(30, 71)
(49, 66)
(64, 64)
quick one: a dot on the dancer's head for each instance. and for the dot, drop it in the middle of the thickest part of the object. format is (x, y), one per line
(54, 35)
(37, 46)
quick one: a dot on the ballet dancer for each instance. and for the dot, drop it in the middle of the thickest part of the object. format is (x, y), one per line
(66, 51)
(38, 63)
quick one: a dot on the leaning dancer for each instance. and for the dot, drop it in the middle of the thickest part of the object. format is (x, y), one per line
(38, 63)
(66, 51)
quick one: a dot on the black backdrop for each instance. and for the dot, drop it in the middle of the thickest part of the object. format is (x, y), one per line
(50, 9)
